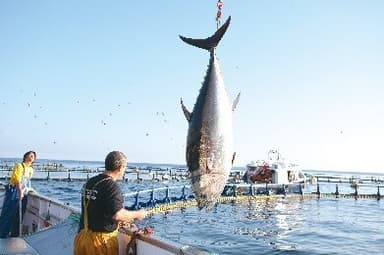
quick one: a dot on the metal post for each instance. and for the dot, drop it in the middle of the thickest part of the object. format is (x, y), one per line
(167, 199)
(137, 201)
(266, 189)
(318, 190)
(378, 193)
(152, 201)
(183, 196)
(337, 191)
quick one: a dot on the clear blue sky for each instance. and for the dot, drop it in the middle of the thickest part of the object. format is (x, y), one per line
(81, 78)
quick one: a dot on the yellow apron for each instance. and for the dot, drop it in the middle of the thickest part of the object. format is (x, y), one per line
(88, 242)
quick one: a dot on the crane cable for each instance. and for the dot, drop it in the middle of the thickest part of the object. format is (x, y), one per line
(220, 6)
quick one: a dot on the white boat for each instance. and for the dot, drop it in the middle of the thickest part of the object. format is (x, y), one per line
(275, 170)
(49, 227)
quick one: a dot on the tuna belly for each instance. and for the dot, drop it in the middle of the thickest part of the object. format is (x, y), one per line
(208, 188)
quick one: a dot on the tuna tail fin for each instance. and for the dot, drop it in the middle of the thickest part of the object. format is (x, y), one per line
(210, 42)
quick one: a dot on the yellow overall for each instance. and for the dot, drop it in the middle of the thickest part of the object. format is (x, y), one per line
(88, 242)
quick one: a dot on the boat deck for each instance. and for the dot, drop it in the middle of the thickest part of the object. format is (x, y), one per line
(16, 245)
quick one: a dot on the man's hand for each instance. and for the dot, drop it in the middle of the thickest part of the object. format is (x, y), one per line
(141, 214)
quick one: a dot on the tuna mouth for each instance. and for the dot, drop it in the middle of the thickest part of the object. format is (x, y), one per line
(208, 188)
(208, 204)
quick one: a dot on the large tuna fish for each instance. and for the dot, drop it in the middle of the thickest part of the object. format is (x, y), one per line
(210, 151)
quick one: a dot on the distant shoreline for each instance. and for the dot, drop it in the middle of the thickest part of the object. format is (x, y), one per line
(68, 163)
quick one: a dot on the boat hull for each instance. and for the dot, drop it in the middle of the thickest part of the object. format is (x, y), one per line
(49, 227)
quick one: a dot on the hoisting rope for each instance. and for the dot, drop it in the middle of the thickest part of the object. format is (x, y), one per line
(220, 6)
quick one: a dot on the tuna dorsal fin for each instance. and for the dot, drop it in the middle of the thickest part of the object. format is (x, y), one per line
(235, 102)
(210, 42)
(187, 114)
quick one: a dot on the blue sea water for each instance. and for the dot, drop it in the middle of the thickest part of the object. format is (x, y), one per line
(269, 226)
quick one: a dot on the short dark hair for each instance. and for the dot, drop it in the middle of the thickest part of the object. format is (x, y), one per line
(27, 154)
(115, 160)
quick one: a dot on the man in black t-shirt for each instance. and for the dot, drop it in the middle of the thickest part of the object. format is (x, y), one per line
(102, 209)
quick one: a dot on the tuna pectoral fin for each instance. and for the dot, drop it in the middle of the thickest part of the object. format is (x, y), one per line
(210, 42)
(237, 99)
(187, 114)
(233, 157)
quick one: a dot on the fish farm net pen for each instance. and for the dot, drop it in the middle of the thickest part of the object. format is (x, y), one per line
(166, 204)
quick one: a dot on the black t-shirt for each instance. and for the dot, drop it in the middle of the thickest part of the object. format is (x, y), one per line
(104, 199)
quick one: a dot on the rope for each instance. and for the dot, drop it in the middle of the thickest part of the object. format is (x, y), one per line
(164, 208)
(220, 6)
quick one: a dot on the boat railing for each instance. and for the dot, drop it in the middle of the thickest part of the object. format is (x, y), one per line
(145, 240)
(149, 198)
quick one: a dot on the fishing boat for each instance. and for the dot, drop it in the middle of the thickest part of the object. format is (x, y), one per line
(49, 227)
(275, 170)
